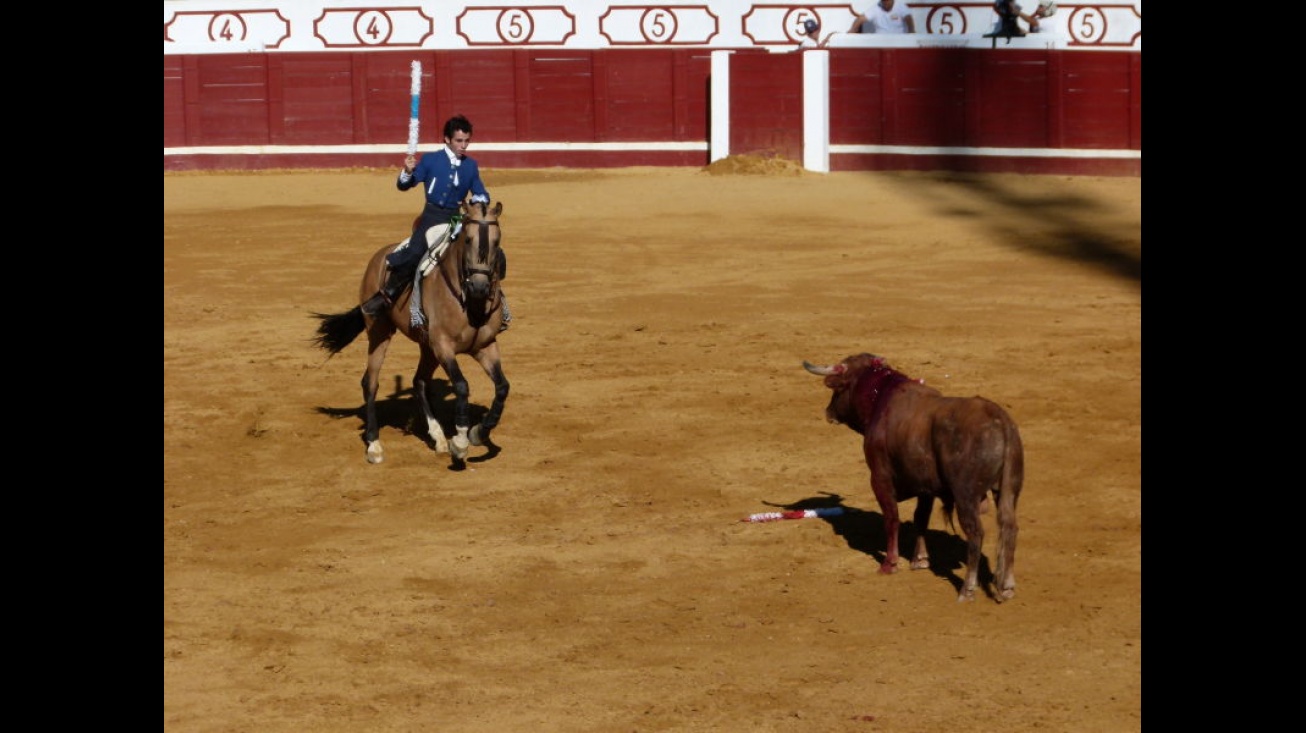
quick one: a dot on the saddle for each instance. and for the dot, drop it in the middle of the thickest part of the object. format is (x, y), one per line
(436, 245)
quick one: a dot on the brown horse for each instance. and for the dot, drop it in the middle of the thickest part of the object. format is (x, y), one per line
(462, 305)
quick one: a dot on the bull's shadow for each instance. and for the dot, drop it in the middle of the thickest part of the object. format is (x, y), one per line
(400, 409)
(864, 531)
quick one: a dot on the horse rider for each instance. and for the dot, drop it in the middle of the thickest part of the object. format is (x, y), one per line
(449, 177)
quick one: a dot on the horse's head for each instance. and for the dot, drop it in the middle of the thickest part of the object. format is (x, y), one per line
(481, 255)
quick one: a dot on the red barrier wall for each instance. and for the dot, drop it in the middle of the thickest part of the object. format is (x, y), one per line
(618, 107)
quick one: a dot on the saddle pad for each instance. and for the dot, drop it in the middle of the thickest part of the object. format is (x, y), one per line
(438, 238)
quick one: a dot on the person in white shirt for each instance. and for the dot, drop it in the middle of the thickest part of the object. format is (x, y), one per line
(884, 16)
(1045, 9)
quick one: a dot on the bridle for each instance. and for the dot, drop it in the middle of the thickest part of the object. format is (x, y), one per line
(483, 243)
(467, 272)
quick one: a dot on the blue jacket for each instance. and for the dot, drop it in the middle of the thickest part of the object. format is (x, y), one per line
(438, 173)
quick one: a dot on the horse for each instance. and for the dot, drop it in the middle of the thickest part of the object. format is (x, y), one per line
(462, 305)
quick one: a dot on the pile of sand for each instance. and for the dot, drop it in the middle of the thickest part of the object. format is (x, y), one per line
(755, 165)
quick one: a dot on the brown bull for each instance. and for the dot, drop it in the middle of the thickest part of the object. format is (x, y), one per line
(921, 444)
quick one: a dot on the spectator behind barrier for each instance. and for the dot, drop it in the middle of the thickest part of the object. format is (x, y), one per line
(884, 16)
(811, 34)
(1010, 11)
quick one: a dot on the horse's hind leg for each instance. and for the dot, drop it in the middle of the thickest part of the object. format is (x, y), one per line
(377, 343)
(421, 379)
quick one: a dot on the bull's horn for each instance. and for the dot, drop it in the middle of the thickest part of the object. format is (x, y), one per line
(824, 371)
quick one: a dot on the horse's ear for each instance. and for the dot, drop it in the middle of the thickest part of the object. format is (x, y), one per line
(498, 208)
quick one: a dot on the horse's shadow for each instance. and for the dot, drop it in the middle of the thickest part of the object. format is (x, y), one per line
(400, 409)
(864, 532)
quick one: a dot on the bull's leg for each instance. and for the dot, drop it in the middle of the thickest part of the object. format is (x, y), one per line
(1007, 532)
(421, 380)
(489, 360)
(968, 516)
(378, 340)
(884, 495)
(920, 559)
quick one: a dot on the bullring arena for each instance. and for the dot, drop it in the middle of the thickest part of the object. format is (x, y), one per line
(593, 574)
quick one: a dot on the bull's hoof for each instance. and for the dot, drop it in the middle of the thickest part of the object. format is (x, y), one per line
(374, 453)
(458, 447)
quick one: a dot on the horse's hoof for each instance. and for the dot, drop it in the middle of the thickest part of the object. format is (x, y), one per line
(922, 563)
(374, 454)
(458, 447)
(474, 435)
(1005, 595)
(967, 594)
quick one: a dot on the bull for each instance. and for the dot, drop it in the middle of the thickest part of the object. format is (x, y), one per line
(920, 444)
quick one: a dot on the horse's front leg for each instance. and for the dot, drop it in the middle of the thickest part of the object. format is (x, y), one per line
(489, 361)
(461, 392)
(421, 379)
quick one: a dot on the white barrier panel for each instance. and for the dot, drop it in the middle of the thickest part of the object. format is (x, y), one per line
(252, 26)
(719, 135)
(816, 111)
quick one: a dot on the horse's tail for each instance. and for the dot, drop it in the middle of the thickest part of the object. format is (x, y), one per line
(336, 331)
(1013, 479)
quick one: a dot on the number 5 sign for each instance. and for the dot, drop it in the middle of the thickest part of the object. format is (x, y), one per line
(662, 25)
(497, 26)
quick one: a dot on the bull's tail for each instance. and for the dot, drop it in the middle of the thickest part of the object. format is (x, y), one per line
(338, 330)
(1008, 494)
(948, 504)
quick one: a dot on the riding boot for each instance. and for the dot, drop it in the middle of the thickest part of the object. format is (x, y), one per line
(385, 297)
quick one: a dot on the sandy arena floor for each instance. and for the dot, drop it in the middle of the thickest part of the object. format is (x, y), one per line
(595, 576)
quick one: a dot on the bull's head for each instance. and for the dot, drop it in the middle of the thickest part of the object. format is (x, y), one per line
(840, 378)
